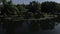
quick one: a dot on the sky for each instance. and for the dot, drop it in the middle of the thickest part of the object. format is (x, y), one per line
(27, 1)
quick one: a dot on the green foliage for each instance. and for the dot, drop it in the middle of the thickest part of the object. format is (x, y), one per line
(58, 8)
(2, 0)
(21, 8)
(48, 7)
(10, 9)
(35, 9)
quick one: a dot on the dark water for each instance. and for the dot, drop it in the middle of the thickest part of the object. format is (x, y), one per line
(25, 29)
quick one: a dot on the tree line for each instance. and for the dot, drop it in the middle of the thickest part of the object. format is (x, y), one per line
(32, 10)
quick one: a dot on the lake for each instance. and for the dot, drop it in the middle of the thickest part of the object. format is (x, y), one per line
(25, 29)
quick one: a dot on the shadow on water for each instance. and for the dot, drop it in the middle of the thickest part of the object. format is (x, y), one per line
(37, 27)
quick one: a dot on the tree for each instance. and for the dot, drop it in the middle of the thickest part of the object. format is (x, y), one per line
(58, 8)
(34, 7)
(22, 10)
(9, 8)
(48, 7)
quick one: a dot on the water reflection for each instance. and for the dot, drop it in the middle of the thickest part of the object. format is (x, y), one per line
(42, 27)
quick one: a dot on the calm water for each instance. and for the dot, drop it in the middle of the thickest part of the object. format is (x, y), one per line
(24, 28)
